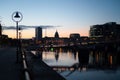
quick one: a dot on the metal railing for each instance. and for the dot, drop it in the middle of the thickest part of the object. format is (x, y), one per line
(26, 73)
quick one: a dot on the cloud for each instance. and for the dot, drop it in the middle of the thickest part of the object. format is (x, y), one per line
(22, 27)
(8, 27)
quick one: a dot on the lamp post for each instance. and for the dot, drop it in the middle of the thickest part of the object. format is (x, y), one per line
(20, 41)
(17, 17)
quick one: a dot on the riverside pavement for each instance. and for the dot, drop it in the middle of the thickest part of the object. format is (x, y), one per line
(9, 69)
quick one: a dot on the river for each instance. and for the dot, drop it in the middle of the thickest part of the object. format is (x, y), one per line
(96, 64)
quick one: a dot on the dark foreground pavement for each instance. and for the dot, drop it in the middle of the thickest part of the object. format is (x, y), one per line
(40, 70)
(9, 70)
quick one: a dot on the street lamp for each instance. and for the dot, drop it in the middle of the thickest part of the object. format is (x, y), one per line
(17, 17)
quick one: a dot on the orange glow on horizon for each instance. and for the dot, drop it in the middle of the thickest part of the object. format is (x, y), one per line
(30, 33)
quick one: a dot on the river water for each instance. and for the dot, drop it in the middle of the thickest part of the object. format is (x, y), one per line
(59, 57)
(97, 65)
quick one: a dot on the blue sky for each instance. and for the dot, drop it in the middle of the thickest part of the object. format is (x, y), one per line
(74, 16)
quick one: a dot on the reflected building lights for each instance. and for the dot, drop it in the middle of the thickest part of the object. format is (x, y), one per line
(111, 59)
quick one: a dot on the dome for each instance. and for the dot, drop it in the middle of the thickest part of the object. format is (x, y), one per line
(56, 34)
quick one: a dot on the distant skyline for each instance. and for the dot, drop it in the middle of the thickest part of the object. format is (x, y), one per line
(73, 16)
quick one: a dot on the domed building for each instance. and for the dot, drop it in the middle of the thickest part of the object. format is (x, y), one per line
(56, 40)
(56, 34)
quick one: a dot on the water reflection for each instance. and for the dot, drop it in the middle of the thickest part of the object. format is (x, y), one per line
(74, 54)
(39, 54)
(99, 61)
(84, 57)
(103, 58)
(56, 55)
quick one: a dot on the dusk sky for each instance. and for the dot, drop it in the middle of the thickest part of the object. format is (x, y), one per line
(73, 16)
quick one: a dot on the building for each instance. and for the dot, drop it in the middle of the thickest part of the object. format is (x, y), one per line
(75, 39)
(0, 34)
(107, 31)
(0, 30)
(56, 40)
(75, 35)
(38, 33)
(56, 34)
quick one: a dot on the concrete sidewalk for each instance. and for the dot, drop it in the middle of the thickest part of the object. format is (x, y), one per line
(9, 70)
